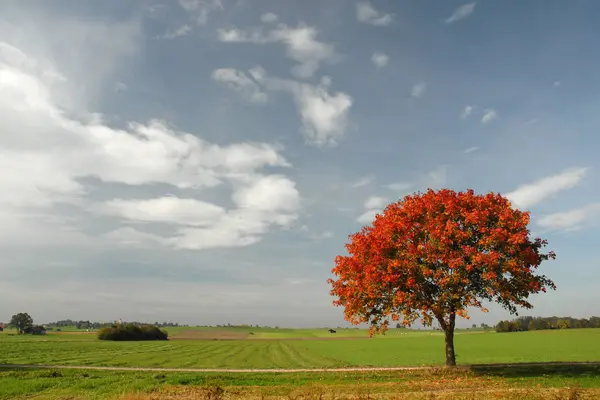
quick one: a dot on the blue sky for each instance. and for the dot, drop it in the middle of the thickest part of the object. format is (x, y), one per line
(204, 161)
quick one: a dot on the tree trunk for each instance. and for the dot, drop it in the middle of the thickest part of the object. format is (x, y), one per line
(450, 355)
(447, 326)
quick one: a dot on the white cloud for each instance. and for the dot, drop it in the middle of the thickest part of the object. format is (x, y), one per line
(400, 186)
(556, 84)
(471, 149)
(380, 59)
(437, 179)
(461, 12)
(488, 116)
(121, 87)
(183, 30)
(324, 113)
(255, 36)
(268, 17)
(164, 209)
(268, 193)
(466, 112)
(199, 10)
(376, 202)
(262, 203)
(573, 219)
(368, 216)
(301, 45)
(54, 153)
(130, 237)
(533, 193)
(240, 82)
(365, 13)
(373, 206)
(418, 90)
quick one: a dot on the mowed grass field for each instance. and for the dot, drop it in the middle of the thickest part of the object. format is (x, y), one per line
(237, 348)
(293, 350)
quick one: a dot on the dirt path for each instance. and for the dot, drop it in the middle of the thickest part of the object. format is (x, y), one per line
(286, 370)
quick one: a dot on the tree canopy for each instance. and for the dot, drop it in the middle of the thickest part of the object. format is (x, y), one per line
(20, 322)
(433, 255)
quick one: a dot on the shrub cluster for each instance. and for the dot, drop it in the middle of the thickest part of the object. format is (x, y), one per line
(132, 332)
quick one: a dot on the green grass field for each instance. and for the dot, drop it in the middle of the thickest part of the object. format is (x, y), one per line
(411, 349)
(507, 383)
(286, 348)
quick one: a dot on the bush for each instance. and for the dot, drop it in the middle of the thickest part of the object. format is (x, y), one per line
(132, 332)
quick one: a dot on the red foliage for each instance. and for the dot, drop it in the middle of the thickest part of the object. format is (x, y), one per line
(432, 255)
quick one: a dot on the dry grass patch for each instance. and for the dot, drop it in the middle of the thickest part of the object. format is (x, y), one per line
(316, 392)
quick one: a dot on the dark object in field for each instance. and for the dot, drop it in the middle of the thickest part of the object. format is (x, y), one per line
(35, 330)
(251, 333)
(132, 332)
(332, 331)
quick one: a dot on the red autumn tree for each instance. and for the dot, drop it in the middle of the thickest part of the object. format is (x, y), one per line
(433, 255)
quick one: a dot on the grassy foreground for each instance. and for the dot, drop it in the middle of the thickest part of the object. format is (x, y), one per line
(268, 349)
(411, 349)
(578, 382)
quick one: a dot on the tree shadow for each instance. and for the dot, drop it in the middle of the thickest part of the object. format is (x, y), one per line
(522, 370)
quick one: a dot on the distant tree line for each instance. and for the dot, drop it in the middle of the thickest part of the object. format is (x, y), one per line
(97, 325)
(131, 332)
(522, 324)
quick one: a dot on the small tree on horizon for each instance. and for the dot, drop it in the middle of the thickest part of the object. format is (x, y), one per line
(432, 255)
(20, 322)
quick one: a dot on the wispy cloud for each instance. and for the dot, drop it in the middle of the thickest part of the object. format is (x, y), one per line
(400, 186)
(573, 219)
(461, 12)
(199, 10)
(533, 193)
(380, 59)
(556, 84)
(324, 113)
(367, 14)
(183, 30)
(466, 112)
(375, 202)
(373, 205)
(240, 82)
(301, 45)
(269, 17)
(437, 178)
(418, 90)
(121, 87)
(471, 149)
(367, 180)
(367, 217)
(488, 116)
